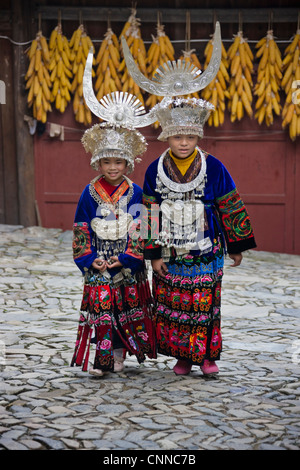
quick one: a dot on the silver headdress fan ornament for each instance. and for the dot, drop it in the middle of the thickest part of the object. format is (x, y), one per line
(176, 79)
(122, 113)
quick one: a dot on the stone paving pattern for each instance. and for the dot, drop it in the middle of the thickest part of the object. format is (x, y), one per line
(253, 404)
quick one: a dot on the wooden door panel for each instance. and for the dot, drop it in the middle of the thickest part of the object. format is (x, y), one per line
(268, 221)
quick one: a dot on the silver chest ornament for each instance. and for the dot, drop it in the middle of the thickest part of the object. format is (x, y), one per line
(182, 211)
(112, 229)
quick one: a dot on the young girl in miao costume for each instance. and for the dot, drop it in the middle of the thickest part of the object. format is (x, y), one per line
(201, 217)
(116, 309)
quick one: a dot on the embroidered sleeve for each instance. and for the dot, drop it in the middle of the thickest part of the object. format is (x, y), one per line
(84, 251)
(236, 222)
(81, 240)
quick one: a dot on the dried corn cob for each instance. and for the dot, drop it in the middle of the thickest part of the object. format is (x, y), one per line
(108, 60)
(290, 80)
(60, 68)
(80, 44)
(268, 79)
(37, 78)
(132, 34)
(240, 87)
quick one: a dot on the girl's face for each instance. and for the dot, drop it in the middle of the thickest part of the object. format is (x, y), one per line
(113, 169)
(182, 145)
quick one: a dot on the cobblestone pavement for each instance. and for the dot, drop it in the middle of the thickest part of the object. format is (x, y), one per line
(253, 404)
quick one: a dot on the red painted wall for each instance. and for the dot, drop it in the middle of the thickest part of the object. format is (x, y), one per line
(263, 162)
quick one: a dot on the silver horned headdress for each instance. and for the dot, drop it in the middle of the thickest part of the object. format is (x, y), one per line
(178, 115)
(117, 109)
(175, 78)
(117, 136)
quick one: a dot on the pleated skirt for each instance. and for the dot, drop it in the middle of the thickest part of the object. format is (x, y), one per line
(188, 307)
(106, 310)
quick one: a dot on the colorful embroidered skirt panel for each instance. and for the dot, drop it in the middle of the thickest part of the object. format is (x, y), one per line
(126, 309)
(188, 301)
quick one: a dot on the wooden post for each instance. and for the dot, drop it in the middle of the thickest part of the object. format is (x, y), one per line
(21, 17)
(9, 205)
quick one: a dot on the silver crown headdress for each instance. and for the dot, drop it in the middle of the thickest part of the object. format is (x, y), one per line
(181, 116)
(174, 79)
(123, 113)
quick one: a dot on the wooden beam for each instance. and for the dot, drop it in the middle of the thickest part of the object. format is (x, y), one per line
(9, 213)
(172, 15)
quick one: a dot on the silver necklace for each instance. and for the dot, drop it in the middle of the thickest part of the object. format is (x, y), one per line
(110, 235)
(177, 190)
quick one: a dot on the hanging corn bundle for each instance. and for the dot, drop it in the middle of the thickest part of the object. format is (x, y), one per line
(216, 91)
(132, 34)
(108, 61)
(189, 55)
(80, 44)
(241, 68)
(268, 80)
(160, 51)
(291, 74)
(37, 78)
(60, 68)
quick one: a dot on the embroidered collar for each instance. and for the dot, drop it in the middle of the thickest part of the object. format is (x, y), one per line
(172, 164)
(117, 199)
(115, 196)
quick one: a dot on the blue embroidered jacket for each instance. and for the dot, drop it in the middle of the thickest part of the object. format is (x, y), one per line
(84, 246)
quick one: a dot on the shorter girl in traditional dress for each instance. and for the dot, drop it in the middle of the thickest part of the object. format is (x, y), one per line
(116, 309)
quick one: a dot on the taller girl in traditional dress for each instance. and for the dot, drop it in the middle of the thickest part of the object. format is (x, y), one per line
(117, 308)
(200, 217)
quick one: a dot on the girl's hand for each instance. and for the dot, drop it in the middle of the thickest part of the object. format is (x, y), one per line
(159, 267)
(115, 262)
(99, 264)
(237, 258)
